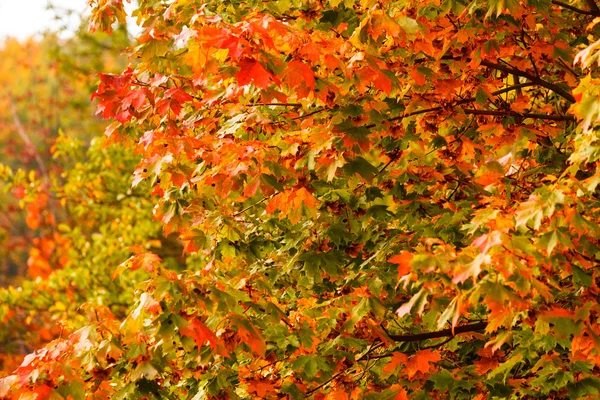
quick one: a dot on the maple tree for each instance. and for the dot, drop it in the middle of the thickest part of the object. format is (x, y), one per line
(376, 199)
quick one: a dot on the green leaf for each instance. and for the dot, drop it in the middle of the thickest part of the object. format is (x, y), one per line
(588, 386)
(580, 276)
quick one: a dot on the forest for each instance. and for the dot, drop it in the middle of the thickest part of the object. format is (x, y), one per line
(303, 199)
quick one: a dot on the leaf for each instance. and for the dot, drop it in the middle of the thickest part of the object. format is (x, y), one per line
(7, 383)
(403, 260)
(419, 298)
(147, 303)
(409, 25)
(144, 370)
(250, 336)
(202, 335)
(588, 386)
(299, 76)
(472, 269)
(398, 359)
(261, 388)
(505, 368)
(580, 276)
(252, 71)
(140, 259)
(420, 363)
(485, 365)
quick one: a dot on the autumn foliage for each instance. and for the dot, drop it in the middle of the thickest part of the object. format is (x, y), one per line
(374, 199)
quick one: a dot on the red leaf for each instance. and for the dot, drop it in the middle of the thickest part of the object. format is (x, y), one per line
(252, 70)
(201, 334)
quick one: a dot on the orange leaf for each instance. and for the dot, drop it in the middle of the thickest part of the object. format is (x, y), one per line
(401, 392)
(261, 388)
(420, 363)
(382, 82)
(403, 259)
(419, 78)
(485, 364)
(397, 359)
(299, 76)
(201, 334)
(251, 187)
(251, 336)
(337, 394)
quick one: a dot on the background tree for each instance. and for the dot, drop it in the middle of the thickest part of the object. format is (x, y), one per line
(66, 205)
(382, 200)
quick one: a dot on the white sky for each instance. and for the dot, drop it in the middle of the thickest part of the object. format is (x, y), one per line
(23, 18)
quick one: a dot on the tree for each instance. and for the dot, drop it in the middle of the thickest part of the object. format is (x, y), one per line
(381, 199)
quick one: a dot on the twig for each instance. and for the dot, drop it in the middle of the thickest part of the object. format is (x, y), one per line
(255, 204)
(25, 137)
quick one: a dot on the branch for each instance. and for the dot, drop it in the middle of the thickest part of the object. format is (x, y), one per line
(457, 103)
(555, 88)
(550, 117)
(594, 11)
(255, 204)
(25, 137)
(478, 326)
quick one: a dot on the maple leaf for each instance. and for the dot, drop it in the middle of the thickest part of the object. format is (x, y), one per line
(299, 76)
(146, 303)
(419, 299)
(401, 393)
(202, 335)
(420, 363)
(398, 359)
(403, 260)
(6, 384)
(472, 269)
(261, 388)
(140, 259)
(249, 335)
(485, 365)
(487, 240)
(252, 71)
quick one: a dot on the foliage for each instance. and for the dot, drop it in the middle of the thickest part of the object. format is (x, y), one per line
(379, 200)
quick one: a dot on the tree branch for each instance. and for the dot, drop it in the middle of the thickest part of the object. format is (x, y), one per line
(550, 117)
(478, 326)
(28, 143)
(594, 11)
(555, 88)
(457, 103)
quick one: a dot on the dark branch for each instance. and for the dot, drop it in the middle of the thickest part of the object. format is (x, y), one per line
(555, 88)
(550, 117)
(419, 337)
(594, 11)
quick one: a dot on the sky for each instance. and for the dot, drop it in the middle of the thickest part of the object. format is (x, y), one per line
(23, 18)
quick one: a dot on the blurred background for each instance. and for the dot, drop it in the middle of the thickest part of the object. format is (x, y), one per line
(68, 213)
